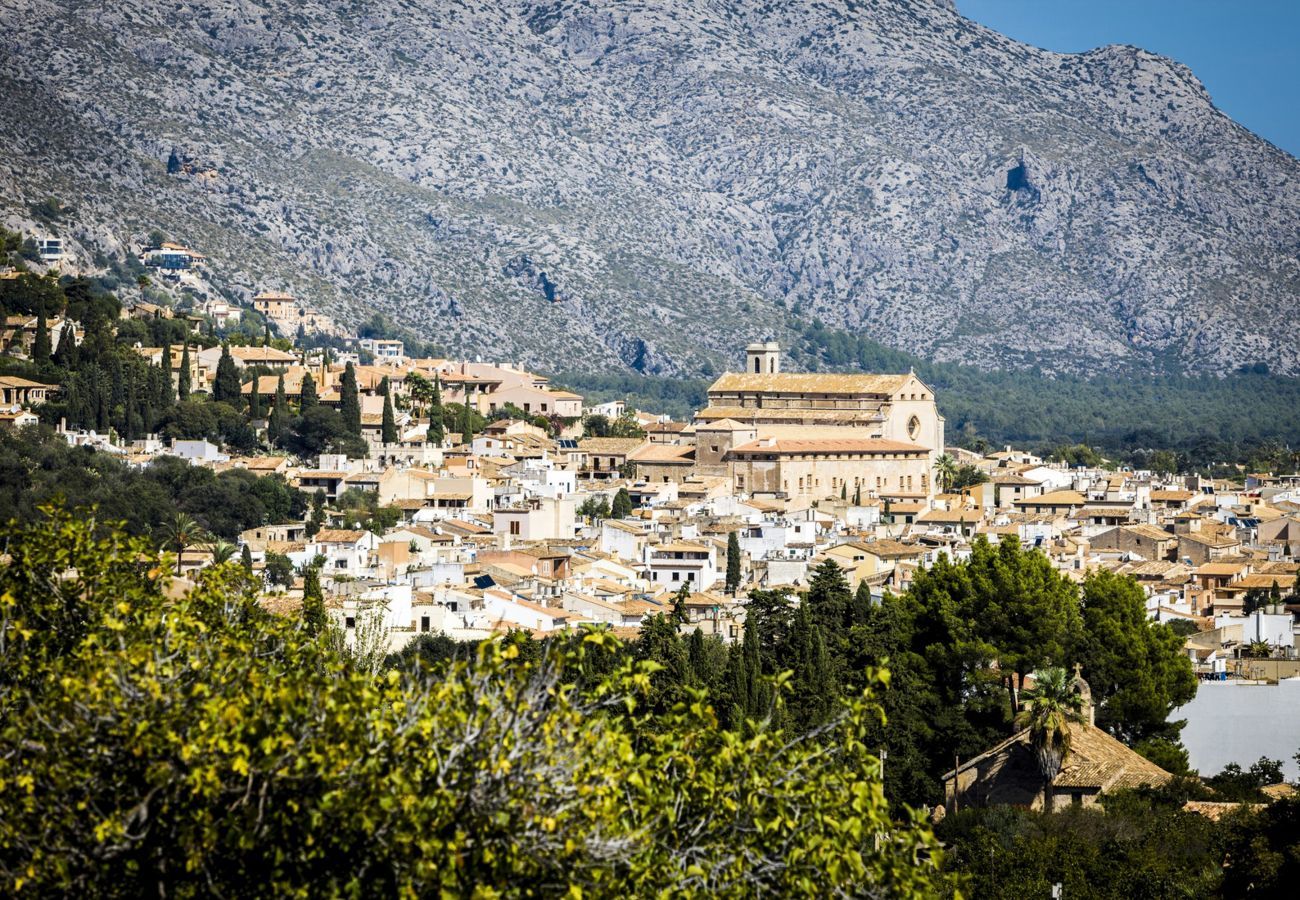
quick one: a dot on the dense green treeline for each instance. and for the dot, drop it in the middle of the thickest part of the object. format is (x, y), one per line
(958, 645)
(1248, 417)
(37, 467)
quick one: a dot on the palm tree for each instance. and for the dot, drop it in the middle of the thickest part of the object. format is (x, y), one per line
(946, 468)
(179, 533)
(1048, 709)
(221, 549)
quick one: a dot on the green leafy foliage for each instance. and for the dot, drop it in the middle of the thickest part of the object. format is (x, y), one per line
(235, 748)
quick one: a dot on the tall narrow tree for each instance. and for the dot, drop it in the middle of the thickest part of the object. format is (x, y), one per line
(279, 413)
(622, 505)
(733, 563)
(350, 400)
(314, 617)
(307, 394)
(41, 344)
(183, 376)
(168, 396)
(226, 387)
(255, 400)
(65, 353)
(437, 426)
(390, 422)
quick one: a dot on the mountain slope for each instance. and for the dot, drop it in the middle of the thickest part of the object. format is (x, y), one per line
(649, 184)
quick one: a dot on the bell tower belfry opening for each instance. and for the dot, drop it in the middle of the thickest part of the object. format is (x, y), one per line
(763, 358)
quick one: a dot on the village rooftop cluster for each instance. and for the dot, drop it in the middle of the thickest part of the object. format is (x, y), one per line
(535, 523)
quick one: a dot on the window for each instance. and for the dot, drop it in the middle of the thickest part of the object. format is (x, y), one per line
(349, 622)
(514, 526)
(424, 623)
(677, 576)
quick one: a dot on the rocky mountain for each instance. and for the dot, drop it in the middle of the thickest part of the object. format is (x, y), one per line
(651, 183)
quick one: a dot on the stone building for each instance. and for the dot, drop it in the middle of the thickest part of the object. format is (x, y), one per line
(819, 434)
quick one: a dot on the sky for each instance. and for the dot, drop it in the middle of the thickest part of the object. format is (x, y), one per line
(1246, 52)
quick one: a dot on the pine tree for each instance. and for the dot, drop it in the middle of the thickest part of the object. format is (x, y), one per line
(350, 401)
(183, 376)
(622, 506)
(733, 563)
(41, 344)
(279, 413)
(314, 617)
(307, 395)
(390, 423)
(226, 387)
(246, 558)
(254, 401)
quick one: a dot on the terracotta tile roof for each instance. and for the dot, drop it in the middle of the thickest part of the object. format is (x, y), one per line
(810, 383)
(338, 536)
(829, 445)
(663, 453)
(610, 445)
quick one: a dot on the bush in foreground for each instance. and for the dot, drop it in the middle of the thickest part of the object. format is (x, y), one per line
(173, 744)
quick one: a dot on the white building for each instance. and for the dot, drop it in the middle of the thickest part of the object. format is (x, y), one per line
(672, 565)
(537, 519)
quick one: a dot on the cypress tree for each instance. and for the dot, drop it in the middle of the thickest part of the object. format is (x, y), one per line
(861, 604)
(226, 387)
(183, 376)
(857, 494)
(167, 397)
(130, 408)
(65, 354)
(733, 563)
(844, 490)
(314, 617)
(467, 424)
(307, 396)
(350, 402)
(622, 506)
(279, 413)
(390, 423)
(758, 702)
(41, 343)
(266, 339)
(246, 557)
(255, 400)
(437, 427)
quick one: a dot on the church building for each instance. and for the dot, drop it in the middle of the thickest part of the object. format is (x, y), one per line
(812, 435)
